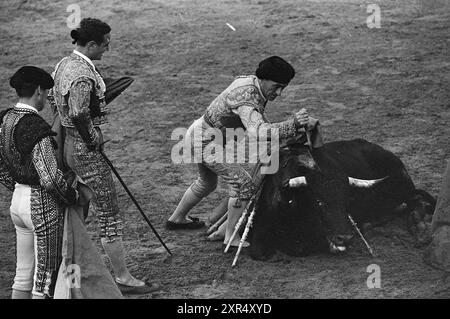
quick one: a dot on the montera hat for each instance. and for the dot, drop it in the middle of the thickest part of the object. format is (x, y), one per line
(31, 75)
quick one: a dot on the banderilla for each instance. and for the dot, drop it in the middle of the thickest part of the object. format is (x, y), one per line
(361, 235)
(133, 198)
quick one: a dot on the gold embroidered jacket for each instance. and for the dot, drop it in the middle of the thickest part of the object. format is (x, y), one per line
(27, 155)
(243, 104)
(79, 96)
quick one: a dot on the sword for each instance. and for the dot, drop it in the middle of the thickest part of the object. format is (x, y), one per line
(131, 196)
(308, 137)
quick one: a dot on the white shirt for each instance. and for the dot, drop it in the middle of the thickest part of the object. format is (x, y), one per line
(259, 89)
(102, 83)
(26, 106)
(85, 58)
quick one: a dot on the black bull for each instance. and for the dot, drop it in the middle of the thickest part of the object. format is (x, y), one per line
(310, 214)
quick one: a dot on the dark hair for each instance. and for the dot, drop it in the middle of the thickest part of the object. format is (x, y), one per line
(276, 69)
(90, 29)
(26, 90)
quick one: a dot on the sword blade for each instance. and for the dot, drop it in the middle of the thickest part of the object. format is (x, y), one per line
(133, 199)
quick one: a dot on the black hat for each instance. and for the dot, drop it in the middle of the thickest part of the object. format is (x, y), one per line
(275, 69)
(31, 75)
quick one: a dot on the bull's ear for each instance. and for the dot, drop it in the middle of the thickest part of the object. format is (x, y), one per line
(364, 183)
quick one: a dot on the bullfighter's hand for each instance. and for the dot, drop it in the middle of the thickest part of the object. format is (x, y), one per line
(302, 117)
(97, 144)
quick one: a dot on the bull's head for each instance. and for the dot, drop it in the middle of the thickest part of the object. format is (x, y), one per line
(324, 191)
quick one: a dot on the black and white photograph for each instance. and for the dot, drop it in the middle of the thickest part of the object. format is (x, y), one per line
(224, 155)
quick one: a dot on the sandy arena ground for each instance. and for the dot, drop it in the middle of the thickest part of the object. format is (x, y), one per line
(389, 85)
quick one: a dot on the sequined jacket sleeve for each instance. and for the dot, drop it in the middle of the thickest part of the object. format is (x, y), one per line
(51, 101)
(79, 112)
(255, 121)
(247, 102)
(51, 178)
(5, 177)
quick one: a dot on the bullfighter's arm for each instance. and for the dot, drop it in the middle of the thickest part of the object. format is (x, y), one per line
(255, 122)
(51, 178)
(51, 101)
(79, 112)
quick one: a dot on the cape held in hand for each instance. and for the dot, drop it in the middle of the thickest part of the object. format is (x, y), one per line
(114, 87)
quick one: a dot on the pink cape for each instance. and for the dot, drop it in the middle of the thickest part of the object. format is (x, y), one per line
(82, 274)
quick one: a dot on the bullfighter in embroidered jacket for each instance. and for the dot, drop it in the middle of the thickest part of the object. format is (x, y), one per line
(79, 98)
(241, 105)
(28, 167)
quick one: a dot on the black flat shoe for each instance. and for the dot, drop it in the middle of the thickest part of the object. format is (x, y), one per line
(138, 290)
(194, 224)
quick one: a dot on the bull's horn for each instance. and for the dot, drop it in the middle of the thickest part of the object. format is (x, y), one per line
(364, 183)
(298, 181)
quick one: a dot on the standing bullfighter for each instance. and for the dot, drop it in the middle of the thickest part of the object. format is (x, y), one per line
(241, 105)
(41, 193)
(79, 97)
